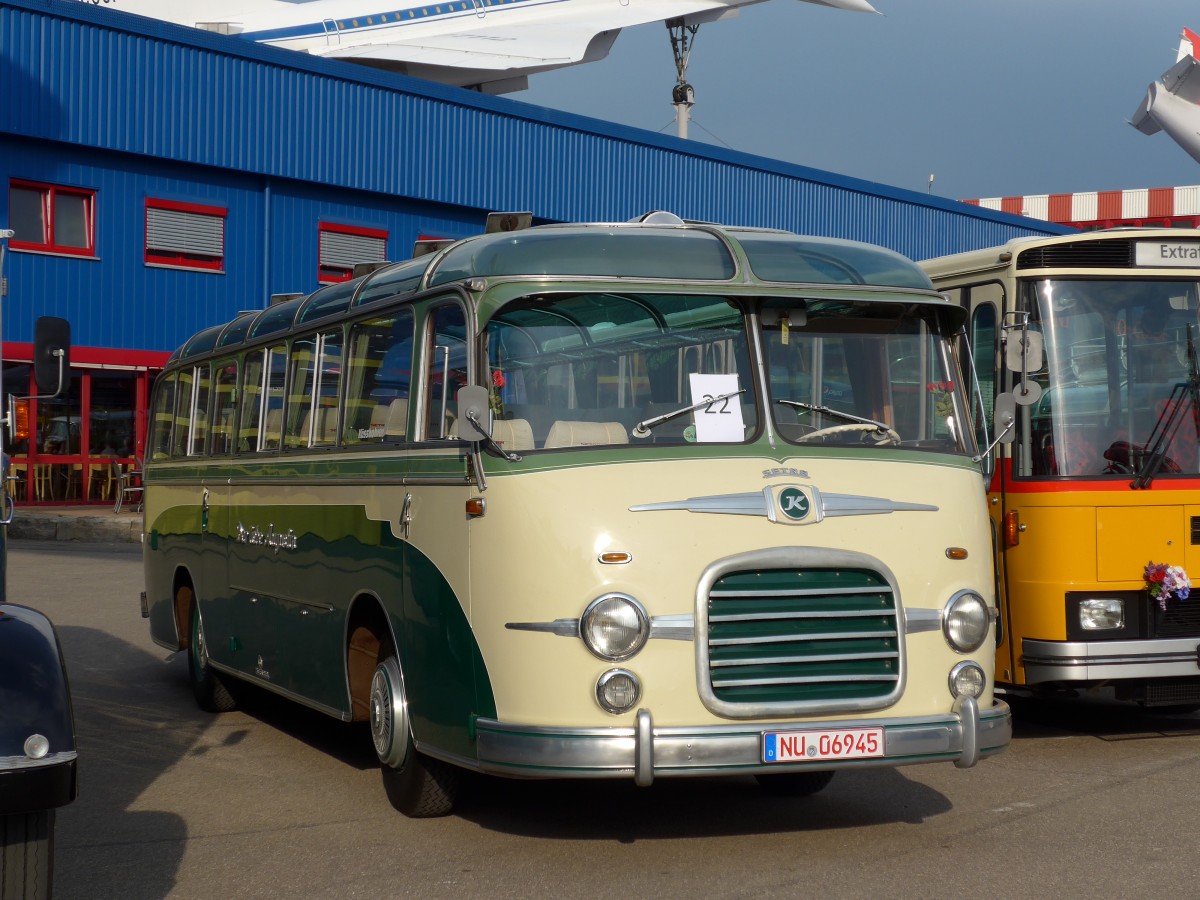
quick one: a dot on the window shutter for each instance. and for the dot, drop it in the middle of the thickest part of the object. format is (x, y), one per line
(340, 250)
(175, 231)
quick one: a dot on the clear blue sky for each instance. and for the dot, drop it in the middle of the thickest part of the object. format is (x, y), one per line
(993, 97)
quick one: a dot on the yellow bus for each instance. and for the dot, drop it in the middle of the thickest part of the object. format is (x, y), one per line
(1088, 344)
(636, 501)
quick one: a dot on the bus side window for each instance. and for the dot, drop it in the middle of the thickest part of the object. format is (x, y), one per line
(328, 389)
(378, 372)
(224, 407)
(300, 392)
(163, 417)
(271, 421)
(183, 412)
(252, 388)
(199, 413)
(983, 353)
(445, 369)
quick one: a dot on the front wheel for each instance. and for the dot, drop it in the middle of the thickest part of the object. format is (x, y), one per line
(210, 691)
(27, 855)
(416, 785)
(795, 784)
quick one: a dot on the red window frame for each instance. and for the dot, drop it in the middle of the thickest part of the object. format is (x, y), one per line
(332, 274)
(182, 259)
(50, 194)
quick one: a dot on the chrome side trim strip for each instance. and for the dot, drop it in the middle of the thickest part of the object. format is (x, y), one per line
(664, 628)
(11, 763)
(644, 752)
(343, 716)
(919, 620)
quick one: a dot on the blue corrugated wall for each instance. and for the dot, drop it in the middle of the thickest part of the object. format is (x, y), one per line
(133, 108)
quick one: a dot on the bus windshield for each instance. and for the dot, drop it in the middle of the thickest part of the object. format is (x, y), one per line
(1117, 368)
(611, 369)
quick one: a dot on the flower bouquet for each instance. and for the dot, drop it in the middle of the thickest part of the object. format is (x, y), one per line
(1165, 583)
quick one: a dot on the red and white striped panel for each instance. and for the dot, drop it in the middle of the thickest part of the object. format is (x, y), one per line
(1100, 206)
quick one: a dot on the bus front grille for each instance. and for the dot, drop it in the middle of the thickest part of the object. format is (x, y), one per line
(804, 639)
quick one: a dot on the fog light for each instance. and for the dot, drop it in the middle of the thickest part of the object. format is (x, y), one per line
(614, 627)
(967, 680)
(36, 746)
(1100, 613)
(965, 621)
(618, 691)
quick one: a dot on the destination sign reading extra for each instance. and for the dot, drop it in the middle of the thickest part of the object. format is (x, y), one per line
(1167, 253)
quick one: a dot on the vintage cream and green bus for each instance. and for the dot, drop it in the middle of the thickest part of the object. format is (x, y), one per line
(1094, 336)
(630, 501)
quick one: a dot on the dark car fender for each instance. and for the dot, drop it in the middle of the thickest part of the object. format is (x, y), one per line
(37, 726)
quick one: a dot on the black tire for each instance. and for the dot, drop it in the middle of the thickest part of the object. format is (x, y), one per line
(27, 855)
(211, 692)
(795, 784)
(418, 786)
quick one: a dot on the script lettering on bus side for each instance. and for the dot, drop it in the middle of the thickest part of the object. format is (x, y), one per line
(277, 540)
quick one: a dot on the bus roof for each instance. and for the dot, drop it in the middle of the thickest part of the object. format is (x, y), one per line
(671, 253)
(1114, 248)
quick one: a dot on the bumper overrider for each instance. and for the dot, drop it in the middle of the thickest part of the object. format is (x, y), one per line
(645, 752)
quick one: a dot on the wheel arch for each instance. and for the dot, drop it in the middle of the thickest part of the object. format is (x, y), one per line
(369, 635)
(182, 602)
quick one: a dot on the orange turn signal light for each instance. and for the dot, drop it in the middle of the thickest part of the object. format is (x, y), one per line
(1012, 528)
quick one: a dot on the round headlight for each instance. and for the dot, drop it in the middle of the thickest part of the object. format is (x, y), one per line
(967, 680)
(965, 621)
(614, 626)
(618, 690)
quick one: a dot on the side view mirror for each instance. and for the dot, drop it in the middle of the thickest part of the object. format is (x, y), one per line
(51, 355)
(474, 413)
(1004, 418)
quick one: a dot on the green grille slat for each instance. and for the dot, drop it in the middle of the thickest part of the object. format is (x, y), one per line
(818, 635)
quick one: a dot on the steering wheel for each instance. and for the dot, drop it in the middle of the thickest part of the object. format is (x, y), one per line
(851, 426)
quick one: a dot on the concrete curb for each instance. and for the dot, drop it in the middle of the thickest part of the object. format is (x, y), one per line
(99, 529)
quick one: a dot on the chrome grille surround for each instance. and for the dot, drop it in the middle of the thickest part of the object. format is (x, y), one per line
(818, 649)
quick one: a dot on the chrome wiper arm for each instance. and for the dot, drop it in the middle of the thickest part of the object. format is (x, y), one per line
(837, 413)
(642, 428)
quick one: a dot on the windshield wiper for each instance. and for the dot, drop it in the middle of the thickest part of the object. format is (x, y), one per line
(642, 429)
(1169, 420)
(837, 413)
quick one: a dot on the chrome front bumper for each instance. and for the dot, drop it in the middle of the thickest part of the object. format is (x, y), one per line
(645, 752)
(1107, 660)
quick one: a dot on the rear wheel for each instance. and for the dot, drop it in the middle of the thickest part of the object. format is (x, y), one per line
(27, 855)
(794, 784)
(212, 694)
(416, 785)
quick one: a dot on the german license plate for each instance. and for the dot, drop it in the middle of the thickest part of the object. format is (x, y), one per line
(819, 746)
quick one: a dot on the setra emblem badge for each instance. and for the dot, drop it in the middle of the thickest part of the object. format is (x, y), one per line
(794, 503)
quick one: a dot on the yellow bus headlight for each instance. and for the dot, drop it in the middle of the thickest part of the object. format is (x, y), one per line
(965, 621)
(614, 627)
(1100, 613)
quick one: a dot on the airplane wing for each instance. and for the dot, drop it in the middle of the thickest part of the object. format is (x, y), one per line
(1172, 104)
(495, 48)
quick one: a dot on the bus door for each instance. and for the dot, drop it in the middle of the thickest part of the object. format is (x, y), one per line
(252, 516)
(435, 526)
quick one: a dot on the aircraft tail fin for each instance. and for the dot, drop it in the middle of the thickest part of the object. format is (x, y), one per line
(1188, 42)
